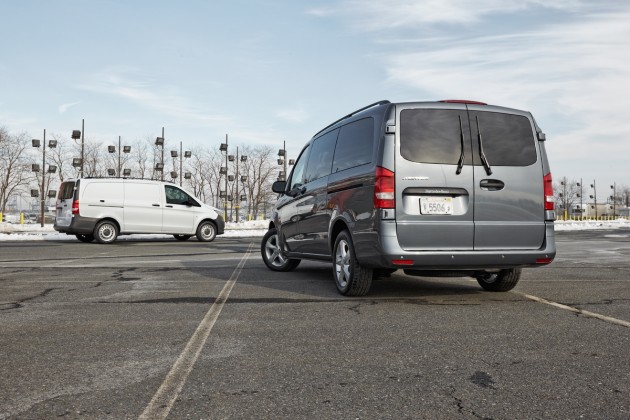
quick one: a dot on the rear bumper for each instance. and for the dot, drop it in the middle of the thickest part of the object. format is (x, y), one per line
(78, 225)
(383, 249)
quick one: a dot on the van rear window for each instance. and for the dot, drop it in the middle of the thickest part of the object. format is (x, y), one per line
(434, 136)
(66, 190)
(508, 139)
(431, 135)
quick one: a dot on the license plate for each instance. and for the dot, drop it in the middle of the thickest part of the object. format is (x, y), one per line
(436, 205)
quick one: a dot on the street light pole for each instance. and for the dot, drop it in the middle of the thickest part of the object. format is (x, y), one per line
(614, 198)
(82, 145)
(162, 159)
(41, 210)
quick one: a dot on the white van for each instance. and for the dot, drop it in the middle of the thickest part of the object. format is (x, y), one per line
(103, 208)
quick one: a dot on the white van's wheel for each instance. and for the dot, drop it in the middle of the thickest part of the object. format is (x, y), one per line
(206, 232)
(351, 278)
(502, 281)
(106, 232)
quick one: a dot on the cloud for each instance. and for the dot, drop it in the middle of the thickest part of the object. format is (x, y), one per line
(374, 15)
(64, 107)
(294, 115)
(127, 84)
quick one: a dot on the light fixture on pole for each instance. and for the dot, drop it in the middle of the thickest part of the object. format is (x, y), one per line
(159, 141)
(76, 135)
(51, 170)
(123, 149)
(223, 171)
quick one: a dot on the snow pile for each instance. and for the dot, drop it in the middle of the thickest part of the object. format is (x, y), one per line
(568, 225)
(34, 232)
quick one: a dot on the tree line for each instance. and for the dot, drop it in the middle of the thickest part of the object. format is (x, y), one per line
(578, 198)
(203, 172)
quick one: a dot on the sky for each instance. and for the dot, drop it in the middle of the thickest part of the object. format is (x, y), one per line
(267, 72)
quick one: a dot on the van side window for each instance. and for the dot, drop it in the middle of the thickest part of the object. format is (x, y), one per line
(354, 145)
(297, 176)
(431, 135)
(508, 139)
(176, 196)
(321, 156)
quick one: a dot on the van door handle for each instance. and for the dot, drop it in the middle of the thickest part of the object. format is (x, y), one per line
(155, 205)
(170, 207)
(491, 185)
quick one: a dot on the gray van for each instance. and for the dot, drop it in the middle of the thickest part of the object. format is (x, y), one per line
(449, 188)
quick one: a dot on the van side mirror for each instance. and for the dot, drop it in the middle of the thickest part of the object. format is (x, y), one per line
(279, 187)
(541, 136)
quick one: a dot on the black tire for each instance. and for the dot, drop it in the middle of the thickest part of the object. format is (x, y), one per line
(85, 237)
(272, 253)
(182, 237)
(351, 278)
(106, 232)
(206, 231)
(502, 281)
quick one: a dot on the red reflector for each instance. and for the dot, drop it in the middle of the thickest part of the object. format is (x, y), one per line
(462, 101)
(384, 193)
(75, 207)
(402, 262)
(544, 260)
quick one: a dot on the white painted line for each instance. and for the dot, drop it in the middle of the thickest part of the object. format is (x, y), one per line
(578, 311)
(163, 400)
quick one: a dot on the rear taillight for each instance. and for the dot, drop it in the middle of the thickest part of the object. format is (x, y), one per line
(75, 207)
(548, 191)
(384, 194)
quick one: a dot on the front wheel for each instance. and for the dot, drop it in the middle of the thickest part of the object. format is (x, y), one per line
(106, 232)
(502, 281)
(351, 278)
(272, 253)
(206, 232)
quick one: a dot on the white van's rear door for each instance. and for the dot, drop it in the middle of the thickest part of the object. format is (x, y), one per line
(64, 204)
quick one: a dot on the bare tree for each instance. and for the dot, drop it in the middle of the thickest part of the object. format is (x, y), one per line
(14, 169)
(566, 194)
(260, 175)
(61, 156)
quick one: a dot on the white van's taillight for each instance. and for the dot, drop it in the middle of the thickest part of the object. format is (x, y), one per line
(384, 194)
(548, 191)
(75, 207)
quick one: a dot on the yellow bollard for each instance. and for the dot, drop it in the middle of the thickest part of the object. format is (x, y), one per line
(21, 217)
(1, 219)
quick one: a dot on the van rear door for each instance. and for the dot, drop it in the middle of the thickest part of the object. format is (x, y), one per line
(434, 177)
(508, 188)
(64, 204)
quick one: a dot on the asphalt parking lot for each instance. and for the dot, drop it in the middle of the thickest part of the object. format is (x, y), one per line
(165, 329)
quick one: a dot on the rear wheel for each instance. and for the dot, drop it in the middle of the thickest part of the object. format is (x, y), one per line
(182, 237)
(502, 281)
(351, 278)
(85, 237)
(206, 232)
(106, 232)
(272, 253)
